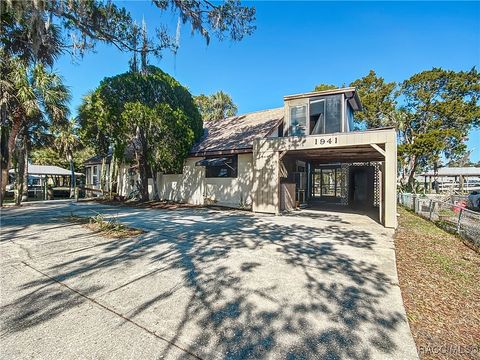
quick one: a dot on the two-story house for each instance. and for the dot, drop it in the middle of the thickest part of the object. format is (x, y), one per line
(306, 153)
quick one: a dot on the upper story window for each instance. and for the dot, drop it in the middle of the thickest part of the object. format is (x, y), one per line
(319, 115)
(298, 120)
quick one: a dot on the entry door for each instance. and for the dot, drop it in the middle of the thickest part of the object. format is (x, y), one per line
(326, 183)
(362, 187)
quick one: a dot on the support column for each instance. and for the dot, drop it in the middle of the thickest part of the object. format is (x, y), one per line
(266, 189)
(390, 183)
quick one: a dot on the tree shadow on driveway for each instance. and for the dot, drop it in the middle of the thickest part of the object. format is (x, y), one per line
(243, 286)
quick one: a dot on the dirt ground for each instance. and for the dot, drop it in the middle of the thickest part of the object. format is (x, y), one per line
(439, 278)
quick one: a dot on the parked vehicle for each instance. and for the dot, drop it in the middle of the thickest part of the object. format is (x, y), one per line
(473, 200)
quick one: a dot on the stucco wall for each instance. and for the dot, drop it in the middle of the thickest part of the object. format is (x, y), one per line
(192, 187)
(186, 187)
(232, 192)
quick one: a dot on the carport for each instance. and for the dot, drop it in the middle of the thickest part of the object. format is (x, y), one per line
(350, 170)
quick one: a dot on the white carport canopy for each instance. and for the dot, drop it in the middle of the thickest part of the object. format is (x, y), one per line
(48, 170)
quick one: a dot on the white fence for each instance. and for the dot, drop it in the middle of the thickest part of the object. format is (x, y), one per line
(450, 215)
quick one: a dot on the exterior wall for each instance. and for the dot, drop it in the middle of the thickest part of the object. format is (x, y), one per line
(232, 192)
(267, 154)
(89, 181)
(192, 187)
(266, 175)
(186, 187)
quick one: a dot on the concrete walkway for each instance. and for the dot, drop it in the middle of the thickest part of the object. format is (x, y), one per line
(199, 284)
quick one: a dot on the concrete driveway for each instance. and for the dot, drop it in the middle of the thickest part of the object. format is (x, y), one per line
(199, 284)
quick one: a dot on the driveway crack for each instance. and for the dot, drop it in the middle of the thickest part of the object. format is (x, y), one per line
(113, 311)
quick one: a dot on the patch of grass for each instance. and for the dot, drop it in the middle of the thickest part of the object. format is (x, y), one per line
(151, 204)
(106, 226)
(438, 277)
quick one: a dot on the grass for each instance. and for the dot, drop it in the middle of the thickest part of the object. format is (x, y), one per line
(109, 227)
(439, 278)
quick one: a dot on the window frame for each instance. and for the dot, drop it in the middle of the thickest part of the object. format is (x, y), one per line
(231, 168)
(95, 175)
(307, 112)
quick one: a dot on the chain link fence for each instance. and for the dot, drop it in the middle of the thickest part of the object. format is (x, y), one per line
(450, 215)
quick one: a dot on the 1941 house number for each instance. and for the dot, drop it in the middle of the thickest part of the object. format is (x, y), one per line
(323, 141)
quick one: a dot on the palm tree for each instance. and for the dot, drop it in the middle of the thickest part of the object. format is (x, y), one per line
(67, 141)
(216, 106)
(30, 94)
(222, 106)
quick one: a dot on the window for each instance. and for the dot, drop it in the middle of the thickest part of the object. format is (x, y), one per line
(95, 175)
(222, 169)
(327, 182)
(333, 119)
(317, 117)
(298, 120)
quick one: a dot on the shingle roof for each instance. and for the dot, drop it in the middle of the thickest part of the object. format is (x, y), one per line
(97, 159)
(237, 132)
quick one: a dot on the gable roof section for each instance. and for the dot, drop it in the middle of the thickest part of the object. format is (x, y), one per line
(236, 133)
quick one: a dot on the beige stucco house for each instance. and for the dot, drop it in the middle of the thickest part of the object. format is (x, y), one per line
(305, 153)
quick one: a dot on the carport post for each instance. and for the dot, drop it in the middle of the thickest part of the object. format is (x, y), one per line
(390, 198)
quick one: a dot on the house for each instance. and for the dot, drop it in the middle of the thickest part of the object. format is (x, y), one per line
(451, 179)
(39, 176)
(304, 153)
(93, 171)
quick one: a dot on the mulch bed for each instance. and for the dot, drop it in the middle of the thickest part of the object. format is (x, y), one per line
(116, 231)
(440, 282)
(168, 205)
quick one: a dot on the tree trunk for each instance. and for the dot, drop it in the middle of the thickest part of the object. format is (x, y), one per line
(113, 175)
(411, 173)
(142, 166)
(73, 181)
(25, 168)
(4, 159)
(103, 175)
(9, 150)
(155, 186)
(20, 172)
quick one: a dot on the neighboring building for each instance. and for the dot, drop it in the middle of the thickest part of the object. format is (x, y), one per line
(93, 171)
(451, 179)
(41, 175)
(303, 153)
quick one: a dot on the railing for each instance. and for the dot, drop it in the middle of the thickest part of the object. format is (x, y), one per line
(451, 215)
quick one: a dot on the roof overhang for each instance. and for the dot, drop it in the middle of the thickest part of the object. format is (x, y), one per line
(347, 154)
(219, 161)
(221, 152)
(349, 92)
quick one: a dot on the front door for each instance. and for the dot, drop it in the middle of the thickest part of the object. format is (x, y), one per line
(326, 183)
(361, 186)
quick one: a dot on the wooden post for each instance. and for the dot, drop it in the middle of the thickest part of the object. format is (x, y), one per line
(459, 220)
(430, 209)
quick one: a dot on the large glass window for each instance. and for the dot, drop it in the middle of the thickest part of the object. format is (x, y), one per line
(298, 120)
(327, 182)
(317, 117)
(324, 116)
(222, 169)
(333, 119)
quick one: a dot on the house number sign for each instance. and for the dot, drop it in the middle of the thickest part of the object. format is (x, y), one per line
(329, 140)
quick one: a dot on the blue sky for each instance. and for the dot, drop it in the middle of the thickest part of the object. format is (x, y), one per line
(299, 44)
